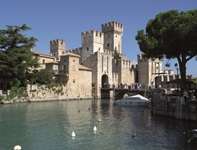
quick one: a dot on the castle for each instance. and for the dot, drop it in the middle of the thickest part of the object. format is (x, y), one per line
(98, 63)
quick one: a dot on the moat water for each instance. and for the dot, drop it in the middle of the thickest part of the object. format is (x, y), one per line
(49, 125)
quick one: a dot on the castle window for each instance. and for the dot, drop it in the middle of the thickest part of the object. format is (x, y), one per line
(73, 80)
(107, 44)
(73, 68)
(99, 49)
(43, 61)
(87, 48)
(64, 67)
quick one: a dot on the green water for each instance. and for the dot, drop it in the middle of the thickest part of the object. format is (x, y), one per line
(49, 125)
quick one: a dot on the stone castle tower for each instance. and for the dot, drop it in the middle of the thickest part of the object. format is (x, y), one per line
(57, 48)
(92, 41)
(113, 32)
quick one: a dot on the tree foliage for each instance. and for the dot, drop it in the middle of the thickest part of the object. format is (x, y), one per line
(16, 58)
(41, 77)
(171, 34)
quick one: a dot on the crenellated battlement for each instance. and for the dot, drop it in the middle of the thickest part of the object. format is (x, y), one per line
(126, 63)
(58, 42)
(75, 51)
(92, 36)
(112, 26)
(92, 33)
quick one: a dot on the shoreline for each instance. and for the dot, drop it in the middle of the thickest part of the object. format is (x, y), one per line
(27, 100)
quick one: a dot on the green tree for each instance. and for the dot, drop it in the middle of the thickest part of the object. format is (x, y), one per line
(43, 77)
(16, 58)
(170, 35)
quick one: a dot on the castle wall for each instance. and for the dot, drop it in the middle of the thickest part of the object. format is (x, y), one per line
(91, 62)
(100, 63)
(126, 73)
(122, 72)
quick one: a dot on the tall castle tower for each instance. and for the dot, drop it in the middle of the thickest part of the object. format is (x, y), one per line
(113, 32)
(57, 48)
(92, 41)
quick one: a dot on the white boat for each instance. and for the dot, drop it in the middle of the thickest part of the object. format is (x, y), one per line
(134, 100)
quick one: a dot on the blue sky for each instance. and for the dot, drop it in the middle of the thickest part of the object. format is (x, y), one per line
(66, 19)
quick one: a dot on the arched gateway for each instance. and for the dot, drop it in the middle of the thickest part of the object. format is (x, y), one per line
(105, 81)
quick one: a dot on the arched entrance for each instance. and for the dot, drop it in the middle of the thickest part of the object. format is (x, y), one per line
(157, 81)
(105, 81)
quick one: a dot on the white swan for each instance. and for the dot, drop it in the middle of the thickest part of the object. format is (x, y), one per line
(17, 147)
(95, 129)
(73, 134)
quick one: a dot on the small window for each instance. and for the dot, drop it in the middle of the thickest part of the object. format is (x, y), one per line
(73, 60)
(107, 44)
(73, 68)
(73, 80)
(87, 48)
(43, 61)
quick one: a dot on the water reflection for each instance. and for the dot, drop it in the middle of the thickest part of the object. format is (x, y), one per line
(39, 126)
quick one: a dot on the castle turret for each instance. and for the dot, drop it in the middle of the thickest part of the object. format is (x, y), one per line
(57, 48)
(92, 41)
(113, 32)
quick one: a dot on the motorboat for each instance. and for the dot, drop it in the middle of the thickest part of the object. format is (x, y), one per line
(136, 100)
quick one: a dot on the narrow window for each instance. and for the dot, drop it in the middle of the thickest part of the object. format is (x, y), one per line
(73, 67)
(43, 61)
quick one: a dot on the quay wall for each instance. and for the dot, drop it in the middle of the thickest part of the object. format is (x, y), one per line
(63, 92)
(175, 106)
